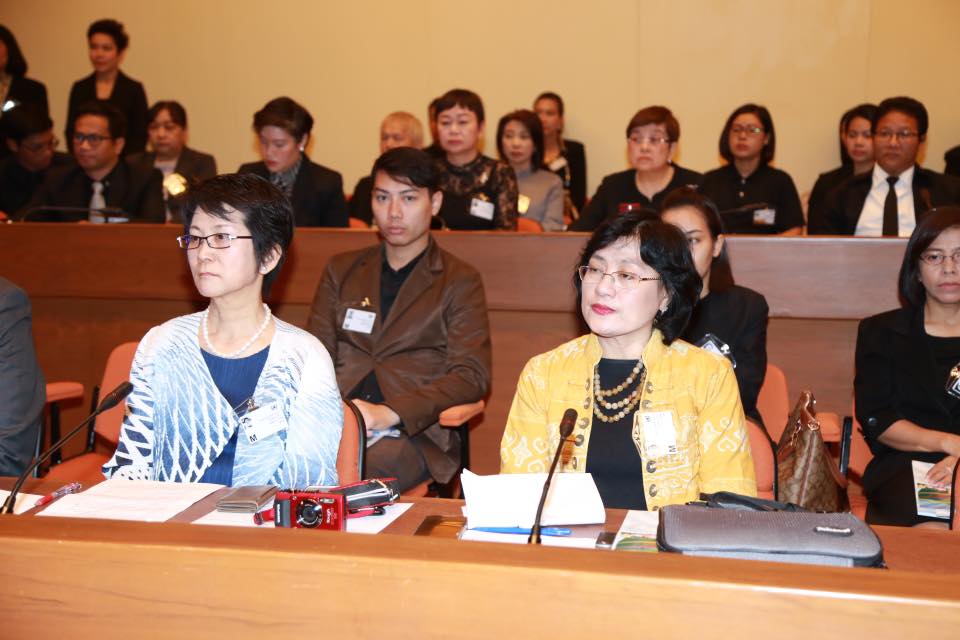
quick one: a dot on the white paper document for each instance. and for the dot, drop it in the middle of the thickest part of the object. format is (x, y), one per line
(142, 500)
(510, 499)
(638, 531)
(932, 501)
(25, 501)
(366, 524)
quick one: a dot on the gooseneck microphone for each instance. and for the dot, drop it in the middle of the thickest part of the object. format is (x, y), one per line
(566, 428)
(111, 400)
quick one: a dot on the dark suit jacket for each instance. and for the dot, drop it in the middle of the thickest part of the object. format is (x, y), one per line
(577, 159)
(897, 379)
(952, 159)
(361, 207)
(845, 201)
(433, 352)
(128, 96)
(29, 92)
(22, 388)
(317, 194)
(195, 166)
(133, 188)
(17, 184)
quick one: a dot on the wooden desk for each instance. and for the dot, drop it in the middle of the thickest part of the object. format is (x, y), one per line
(95, 286)
(107, 579)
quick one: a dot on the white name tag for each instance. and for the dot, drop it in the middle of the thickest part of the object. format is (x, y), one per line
(481, 209)
(357, 320)
(523, 203)
(263, 422)
(659, 435)
(765, 216)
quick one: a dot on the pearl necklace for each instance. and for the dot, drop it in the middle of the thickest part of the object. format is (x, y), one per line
(253, 338)
(627, 403)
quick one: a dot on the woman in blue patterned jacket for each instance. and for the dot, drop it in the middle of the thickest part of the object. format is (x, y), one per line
(232, 395)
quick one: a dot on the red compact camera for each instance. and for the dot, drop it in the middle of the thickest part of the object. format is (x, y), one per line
(309, 510)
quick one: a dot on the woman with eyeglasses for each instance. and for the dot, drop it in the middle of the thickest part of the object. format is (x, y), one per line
(652, 136)
(752, 196)
(856, 157)
(907, 384)
(232, 395)
(728, 319)
(660, 421)
(107, 41)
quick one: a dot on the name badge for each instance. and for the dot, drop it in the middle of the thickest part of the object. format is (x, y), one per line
(558, 163)
(357, 320)
(523, 203)
(481, 209)
(765, 216)
(659, 434)
(263, 422)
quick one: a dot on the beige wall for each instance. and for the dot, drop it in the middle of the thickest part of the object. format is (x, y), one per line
(351, 63)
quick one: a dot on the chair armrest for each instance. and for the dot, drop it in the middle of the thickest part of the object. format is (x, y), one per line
(829, 426)
(59, 391)
(458, 414)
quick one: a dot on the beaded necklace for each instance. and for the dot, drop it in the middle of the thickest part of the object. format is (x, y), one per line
(626, 405)
(253, 338)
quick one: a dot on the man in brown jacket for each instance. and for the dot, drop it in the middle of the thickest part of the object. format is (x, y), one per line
(406, 325)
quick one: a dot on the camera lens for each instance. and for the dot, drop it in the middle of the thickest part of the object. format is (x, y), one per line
(309, 513)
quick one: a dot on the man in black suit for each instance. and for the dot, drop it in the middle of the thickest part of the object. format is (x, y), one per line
(102, 187)
(889, 200)
(952, 160)
(31, 143)
(22, 388)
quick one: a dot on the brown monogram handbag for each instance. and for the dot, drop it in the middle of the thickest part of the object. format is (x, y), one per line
(806, 473)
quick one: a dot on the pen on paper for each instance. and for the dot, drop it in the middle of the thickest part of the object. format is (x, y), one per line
(547, 531)
(73, 487)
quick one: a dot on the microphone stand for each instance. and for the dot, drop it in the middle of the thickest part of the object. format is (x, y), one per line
(566, 428)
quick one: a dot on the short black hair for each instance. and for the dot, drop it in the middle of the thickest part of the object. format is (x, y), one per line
(287, 114)
(550, 95)
(266, 210)
(116, 121)
(721, 274)
(766, 156)
(910, 106)
(868, 112)
(23, 121)
(664, 248)
(16, 63)
(931, 225)
(177, 113)
(534, 127)
(410, 166)
(461, 98)
(113, 29)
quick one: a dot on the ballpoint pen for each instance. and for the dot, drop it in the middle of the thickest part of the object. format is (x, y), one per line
(545, 531)
(73, 487)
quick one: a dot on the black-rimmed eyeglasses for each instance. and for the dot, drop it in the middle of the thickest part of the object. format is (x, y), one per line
(214, 240)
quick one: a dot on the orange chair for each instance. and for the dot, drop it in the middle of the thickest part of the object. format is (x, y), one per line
(764, 460)
(57, 392)
(352, 444)
(773, 402)
(457, 417)
(106, 428)
(357, 223)
(529, 226)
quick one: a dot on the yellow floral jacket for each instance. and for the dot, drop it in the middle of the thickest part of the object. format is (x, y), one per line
(698, 389)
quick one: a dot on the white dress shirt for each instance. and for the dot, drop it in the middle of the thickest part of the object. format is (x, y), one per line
(871, 216)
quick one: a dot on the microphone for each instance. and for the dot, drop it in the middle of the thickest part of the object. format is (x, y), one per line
(566, 428)
(111, 400)
(110, 214)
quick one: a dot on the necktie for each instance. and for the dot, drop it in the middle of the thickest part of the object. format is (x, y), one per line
(891, 215)
(98, 202)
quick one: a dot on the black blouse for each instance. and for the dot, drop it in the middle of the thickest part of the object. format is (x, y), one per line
(745, 203)
(737, 318)
(612, 456)
(620, 188)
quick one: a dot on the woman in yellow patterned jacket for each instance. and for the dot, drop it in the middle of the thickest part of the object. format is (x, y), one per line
(660, 421)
